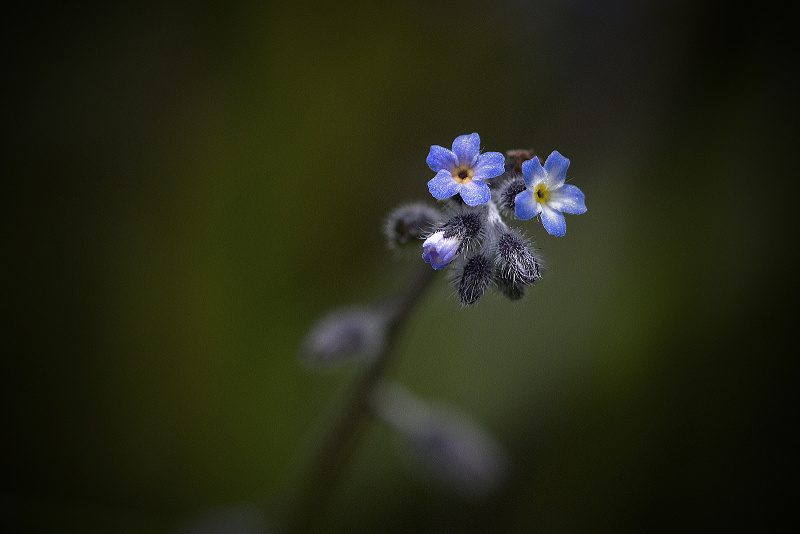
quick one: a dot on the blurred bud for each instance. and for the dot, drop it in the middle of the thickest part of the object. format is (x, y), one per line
(344, 334)
(237, 519)
(446, 445)
(515, 159)
(475, 277)
(508, 288)
(410, 223)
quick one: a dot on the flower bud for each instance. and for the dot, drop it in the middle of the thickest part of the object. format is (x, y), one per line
(509, 192)
(475, 277)
(516, 265)
(515, 158)
(465, 225)
(344, 334)
(446, 445)
(442, 246)
(516, 259)
(439, 250)
(410, 223)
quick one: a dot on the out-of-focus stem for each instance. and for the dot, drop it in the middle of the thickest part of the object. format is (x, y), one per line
(330, 458)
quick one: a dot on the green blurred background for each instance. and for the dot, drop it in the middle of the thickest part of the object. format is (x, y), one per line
(191, 185)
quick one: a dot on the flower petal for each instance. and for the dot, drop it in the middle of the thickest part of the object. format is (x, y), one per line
(532, 172)
(525, 205)
(442, 185)
(568, 199)
(466, 148)
(553, 221)
(431, 255)
(489, 165)
(441, 159)
(475, 192)
(439, 251)
(556, 169)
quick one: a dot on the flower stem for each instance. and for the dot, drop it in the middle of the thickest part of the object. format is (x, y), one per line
(328, 461)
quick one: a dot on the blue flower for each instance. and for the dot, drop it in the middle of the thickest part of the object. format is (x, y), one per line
(463, 170)
(439, 250)
(548, 195)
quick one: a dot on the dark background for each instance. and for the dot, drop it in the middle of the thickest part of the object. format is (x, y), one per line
(190, 186)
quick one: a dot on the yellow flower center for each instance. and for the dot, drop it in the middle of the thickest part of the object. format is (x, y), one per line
(463, 174)
(542, 194)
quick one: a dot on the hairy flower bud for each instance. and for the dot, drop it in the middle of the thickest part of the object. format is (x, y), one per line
(465, 225)
(410, 223)
(516, 265)
(475, 277)
(516, 259)
(509, 192)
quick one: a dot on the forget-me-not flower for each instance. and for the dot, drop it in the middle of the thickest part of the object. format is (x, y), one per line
(463, 170)
(547, 194)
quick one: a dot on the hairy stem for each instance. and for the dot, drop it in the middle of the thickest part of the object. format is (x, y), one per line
(332, 454)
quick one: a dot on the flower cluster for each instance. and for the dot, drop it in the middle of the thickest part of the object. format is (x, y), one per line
(478, 189)
(470, 237)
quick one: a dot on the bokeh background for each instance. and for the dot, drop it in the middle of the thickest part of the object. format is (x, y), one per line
(189, 186)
